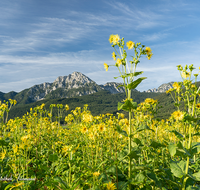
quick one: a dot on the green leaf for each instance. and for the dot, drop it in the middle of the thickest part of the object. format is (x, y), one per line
(142, 128)
(127, 106)
(135, 83)
(176, 170)
(137, 141)
(122, 132)
(192, 188)
(153, 177)
(58, 179)
(197, 176)
(134, 154)
(122, 185)
(155, 144)
(138, 73)
(182, 164)
(53, 157)
(178, 135)
(139, 178)
(172, 149)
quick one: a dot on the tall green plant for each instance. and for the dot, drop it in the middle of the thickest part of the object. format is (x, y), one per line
(128, 73)
(186, 149)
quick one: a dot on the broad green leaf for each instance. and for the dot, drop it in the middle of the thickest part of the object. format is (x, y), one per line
(134, 154)
(53, 157)
(176, 170)
(178, 135)
(155, 144)
(142, 128)
(112, 170)
(122, 132)
(182, 164)
(122, 185)
(127, 106)
(172, 149)
(135, 83)
(139, 178)
(137, 141)
(192, 188)
(138, 73)
(197, 176)
(153, 177)
(58, 179)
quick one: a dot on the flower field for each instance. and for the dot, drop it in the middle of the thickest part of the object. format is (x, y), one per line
(106, 151)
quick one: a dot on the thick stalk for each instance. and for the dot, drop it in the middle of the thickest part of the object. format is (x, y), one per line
(130, 137)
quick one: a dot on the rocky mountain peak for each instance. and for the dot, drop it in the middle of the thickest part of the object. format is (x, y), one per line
(162, 88)
(74, 80)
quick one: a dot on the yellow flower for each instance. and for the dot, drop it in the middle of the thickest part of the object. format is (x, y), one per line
(176, 86)
(96, 174)
(111, 186)
(84, 129)
(178, 115)
(106, 66)
(119, 62)
(130, 44)
(3, 154)
(149, 52)
(198, 105)
(15, 148)
(111, 38)
(168, 91)
(115, 39)
(114, 56)
(18, 184)
(101, 128)
(87, 118)
(66, 107)
(185, 74)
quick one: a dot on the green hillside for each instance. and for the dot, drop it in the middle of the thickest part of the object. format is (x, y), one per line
(98, 103)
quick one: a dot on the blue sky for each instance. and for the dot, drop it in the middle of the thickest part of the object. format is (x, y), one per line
(43, 39)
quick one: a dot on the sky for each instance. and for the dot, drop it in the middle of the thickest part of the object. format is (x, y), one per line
(43, 39)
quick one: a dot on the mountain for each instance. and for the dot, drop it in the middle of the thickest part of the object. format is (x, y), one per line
(75, 84)
(162, 88)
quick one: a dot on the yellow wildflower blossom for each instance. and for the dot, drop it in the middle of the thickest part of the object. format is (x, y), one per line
(66, 107)
(87, 118)
(130, 44)
(114, 56)
(185, 74)
(111, 38)
(101, 128)
(106, 66)
(119, 62)
(116, 38)
(3, 154)
(111, 186)
(178, 115)
(149, 52)
(176, 86)
(96, 174)
(84, 129)
(198, 105)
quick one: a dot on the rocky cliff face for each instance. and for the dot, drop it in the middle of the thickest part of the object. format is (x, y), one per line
(162, 88)
(112, 87)
(75, 84)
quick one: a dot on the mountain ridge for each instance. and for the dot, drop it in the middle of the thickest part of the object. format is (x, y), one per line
(72, 85)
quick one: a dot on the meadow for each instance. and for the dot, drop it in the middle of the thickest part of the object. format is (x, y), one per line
(106, 151)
